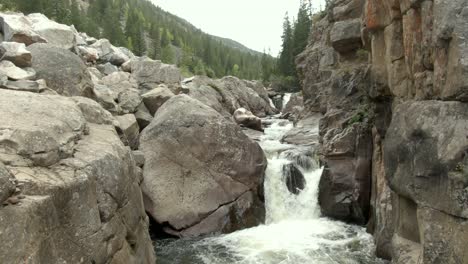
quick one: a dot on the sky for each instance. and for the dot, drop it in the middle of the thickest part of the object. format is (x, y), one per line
(255, 23)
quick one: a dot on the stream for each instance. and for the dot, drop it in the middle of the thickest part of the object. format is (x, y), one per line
(294, 231)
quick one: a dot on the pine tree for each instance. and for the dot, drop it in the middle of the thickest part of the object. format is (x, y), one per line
(302, 28)
(286, 65)
(156, 36)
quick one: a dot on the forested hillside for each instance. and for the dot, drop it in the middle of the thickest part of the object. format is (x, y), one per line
(148, 30)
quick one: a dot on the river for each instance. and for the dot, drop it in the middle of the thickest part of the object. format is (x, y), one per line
(294, 231)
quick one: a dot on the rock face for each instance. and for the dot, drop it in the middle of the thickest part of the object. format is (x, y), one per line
(82, 201)
(63, 71)
(390, 79)
(205, 170)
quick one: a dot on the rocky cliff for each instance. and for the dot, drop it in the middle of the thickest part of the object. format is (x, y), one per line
(390, 79)
(77, 181)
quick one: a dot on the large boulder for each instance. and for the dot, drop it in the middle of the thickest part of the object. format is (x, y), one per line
(149, 73)
(107, 53)
(18, 28)
(63, 70)
(204, 170)
(16, 53)
(58, 35)
(81, 197)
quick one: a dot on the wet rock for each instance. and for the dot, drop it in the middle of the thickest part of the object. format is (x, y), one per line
(212, 179)
(294, 178)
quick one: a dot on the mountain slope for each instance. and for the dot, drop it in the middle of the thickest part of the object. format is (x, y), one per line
(149, 30)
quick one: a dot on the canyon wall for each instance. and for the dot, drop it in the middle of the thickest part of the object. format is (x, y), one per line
(391, 79)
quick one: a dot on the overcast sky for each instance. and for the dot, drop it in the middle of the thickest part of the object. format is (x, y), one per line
(255, 23)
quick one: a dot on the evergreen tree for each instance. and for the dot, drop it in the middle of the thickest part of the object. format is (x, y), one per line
(286, 59)
(302, 28)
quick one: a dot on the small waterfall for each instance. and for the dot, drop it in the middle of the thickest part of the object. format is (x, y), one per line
(294, 232)
(286, 99)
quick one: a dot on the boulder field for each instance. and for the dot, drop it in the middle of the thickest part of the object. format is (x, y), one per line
(95, 141)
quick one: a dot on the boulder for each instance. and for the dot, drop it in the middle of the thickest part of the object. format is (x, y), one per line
(107, 68)
(18, 28)
(14, 73)
(108, 53)
(155, 98)
(295, 181)
(247, 119)
(88, 54)
(345, 35)
(63, 70)
(57, 35)
(93, 112)
(24, 85)
(119, 82)
(203, 165)
(16, 53)
(148, 72)
(106, 98)
(128, 126)
(82, 202)
(129, 100)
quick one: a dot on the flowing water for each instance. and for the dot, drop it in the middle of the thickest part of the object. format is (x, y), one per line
(294, 232)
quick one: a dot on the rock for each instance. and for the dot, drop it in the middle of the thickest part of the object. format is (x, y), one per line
(143, 116)
(18, 28)
(57, 35)
(139, 157)
(129, 127)
(108, 53)
(424, 154)
(294, 106)
(24, 85)
(345, 36)
(295, 180)
(119, 82)
(80, 199)
(213, 180)
(88, 54)
(229, 94)
(247, 119)
(129, 100)
(63, 71)
(105, 97)
(43, 140)
(7, 186)
(107, 68)
(16, 53)
(93, 112)
(305, 132)
(14, 73)
(156, 98)
(149, 72)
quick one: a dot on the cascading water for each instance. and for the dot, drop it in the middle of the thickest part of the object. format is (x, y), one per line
(294, 232)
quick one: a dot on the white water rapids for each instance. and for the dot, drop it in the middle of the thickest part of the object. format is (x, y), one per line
(294, 232)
